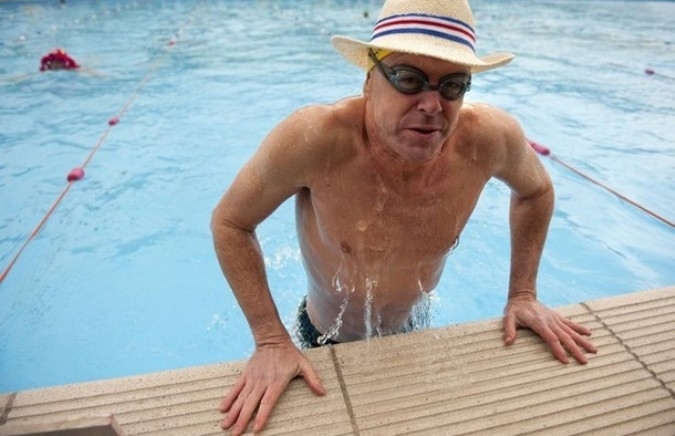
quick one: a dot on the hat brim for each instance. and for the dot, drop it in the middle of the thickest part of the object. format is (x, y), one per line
(356, 52)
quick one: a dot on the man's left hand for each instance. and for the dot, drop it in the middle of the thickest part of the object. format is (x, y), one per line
(560, 333)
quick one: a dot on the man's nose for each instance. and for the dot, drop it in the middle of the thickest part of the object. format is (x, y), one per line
(430, 102)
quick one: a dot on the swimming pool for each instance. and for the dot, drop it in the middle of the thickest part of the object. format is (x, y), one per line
(122, 278)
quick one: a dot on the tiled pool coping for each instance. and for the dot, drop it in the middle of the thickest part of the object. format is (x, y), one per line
(453, 380)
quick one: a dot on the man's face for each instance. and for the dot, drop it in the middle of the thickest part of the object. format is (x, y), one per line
(413, 127)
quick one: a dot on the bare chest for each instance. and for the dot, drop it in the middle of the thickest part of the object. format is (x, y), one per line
(366, 217)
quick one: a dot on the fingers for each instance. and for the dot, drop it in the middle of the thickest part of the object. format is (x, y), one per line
(260, 402)
(232, 395)
(588, 345)
(554, 340)
(578, 333)
(569, 339)
(265, 377)
(266, 405)
(577, 327)
(570, 336)
(312, 379)
(235, 407)
(249, 407)
(576, 343)
(245, 407)
(563, 336)
(509, 328)
(272, 394)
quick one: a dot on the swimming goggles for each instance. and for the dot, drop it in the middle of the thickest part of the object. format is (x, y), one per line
(409, 80)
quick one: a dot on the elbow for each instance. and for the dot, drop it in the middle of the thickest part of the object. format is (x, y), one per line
(539, 202)
(541, 190)
(543, 195)
(216, 221)
(222, 224)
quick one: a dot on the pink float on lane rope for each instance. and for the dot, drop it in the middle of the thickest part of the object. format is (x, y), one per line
(75, 174)
(539, 148)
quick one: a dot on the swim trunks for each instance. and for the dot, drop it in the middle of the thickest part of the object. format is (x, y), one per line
(307, 334)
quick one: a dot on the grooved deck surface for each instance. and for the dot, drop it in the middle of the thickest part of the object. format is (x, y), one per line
(453, 380)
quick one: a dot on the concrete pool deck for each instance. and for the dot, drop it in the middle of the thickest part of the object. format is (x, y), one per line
(452, 380)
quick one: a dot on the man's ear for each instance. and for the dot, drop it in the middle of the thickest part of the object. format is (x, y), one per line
(366, 84)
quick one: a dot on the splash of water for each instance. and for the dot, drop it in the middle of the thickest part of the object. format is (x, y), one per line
(333, 331)
(371, 283)
(421, 314)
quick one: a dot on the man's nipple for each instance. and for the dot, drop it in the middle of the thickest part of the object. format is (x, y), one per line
(346, 248)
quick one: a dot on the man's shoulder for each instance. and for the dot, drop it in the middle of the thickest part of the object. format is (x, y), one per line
(490, 132)
(480, 120)
(484, 112)
(321, 131)
(344, 113)
(327, 127)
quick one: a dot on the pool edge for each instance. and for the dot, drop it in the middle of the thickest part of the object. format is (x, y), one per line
(458, 377)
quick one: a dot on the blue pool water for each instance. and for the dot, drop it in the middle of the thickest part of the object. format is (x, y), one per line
(122, 278)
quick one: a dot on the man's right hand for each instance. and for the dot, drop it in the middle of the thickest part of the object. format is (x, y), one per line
(265, 377)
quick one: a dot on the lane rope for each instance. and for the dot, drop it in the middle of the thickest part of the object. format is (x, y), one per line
(545, 151)
(77, 173)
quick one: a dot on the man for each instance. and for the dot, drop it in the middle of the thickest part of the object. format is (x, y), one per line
(384, 183)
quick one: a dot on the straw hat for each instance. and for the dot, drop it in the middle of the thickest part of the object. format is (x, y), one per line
(443, 29)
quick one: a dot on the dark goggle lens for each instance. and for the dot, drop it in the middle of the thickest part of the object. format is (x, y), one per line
(453, 87)
(410, 81)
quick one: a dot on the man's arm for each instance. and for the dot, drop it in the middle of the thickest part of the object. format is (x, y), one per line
(276, 360)
(274, 173)
(530, 213)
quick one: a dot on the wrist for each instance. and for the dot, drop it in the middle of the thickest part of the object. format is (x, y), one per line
(271, 339)
(522, 294)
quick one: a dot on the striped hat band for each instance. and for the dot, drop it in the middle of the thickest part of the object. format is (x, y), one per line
(440, 27)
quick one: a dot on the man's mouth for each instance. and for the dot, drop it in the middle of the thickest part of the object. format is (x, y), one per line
(426, 131)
